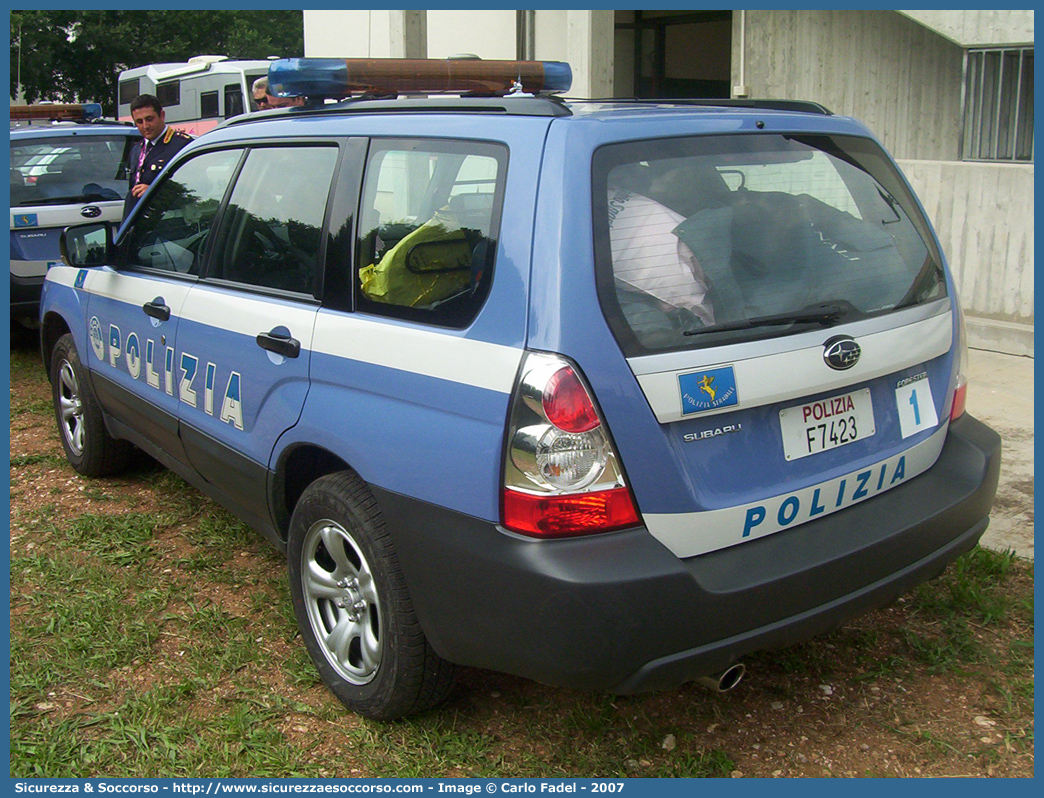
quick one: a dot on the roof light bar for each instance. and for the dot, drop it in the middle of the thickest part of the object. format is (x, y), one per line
(336, 78)
(56, 112)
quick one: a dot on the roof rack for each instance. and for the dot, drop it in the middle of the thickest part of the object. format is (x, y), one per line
(56, 112)
(798, 106)
(338, 78)
(506, 106)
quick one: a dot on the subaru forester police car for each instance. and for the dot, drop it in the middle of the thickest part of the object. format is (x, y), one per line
(602, 394)
(62, 173)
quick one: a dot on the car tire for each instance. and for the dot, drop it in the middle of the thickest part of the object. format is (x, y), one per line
(89, 447)
(353, 608)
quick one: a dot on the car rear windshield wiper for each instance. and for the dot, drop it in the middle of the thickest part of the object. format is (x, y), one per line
(926, 281)
(825, 314)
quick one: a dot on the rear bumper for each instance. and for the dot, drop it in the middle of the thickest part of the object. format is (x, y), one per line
(25, 295)
(620, 612)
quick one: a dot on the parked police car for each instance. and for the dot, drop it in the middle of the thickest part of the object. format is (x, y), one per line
(61, 174)
(602, 394)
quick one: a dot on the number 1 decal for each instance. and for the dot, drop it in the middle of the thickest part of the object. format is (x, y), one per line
(917, 411)
(913, 398)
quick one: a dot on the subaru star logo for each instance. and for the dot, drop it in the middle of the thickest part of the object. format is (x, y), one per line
(841, 352)
(91, 212)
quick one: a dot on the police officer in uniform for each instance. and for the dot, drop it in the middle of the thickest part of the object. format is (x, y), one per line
(159, 144)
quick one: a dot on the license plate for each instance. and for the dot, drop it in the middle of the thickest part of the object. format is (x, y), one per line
(826, 424)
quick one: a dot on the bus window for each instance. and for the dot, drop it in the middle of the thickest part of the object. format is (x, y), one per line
(208, 105)
(169, 93)
(233, 100)
(129, 90)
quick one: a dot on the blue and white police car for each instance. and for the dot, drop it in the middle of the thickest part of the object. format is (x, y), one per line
(602, 394)
(63, 172)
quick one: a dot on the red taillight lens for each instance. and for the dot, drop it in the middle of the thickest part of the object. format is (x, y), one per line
(960, 391)
(960, 398)
(562, 476)
(566, 403)
(570, 514)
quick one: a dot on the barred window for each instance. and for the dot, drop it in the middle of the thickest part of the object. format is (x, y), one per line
(998, 105)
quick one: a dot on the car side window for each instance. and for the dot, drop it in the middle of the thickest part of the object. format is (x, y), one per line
(272, 229)
(170, 233)
(428, 228)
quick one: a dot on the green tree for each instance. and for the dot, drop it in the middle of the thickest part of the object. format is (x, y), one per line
(78, 55)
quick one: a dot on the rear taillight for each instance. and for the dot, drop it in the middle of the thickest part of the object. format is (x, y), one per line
(960, 398)
(960, 388)
(561, 473)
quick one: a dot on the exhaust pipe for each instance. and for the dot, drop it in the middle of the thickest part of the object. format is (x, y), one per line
(724, 681)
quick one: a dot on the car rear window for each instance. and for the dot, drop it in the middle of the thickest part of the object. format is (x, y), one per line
(709, 240)
(64, 169)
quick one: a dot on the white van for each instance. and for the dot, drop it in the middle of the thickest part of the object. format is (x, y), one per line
(196, 95)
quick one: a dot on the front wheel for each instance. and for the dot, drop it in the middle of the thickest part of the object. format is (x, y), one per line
(89, 447)
(353, 608)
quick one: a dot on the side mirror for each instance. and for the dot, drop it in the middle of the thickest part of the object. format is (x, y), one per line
(87, 245)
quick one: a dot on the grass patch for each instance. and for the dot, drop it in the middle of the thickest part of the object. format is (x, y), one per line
(972, 589)
(121, 540)
(150, 737)
(99, 620)
(965, 607)
(49, 460)
(25, 363)
(223, 644)
(34, 406)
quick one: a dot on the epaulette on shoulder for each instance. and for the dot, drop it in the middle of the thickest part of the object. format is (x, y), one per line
(172, 132)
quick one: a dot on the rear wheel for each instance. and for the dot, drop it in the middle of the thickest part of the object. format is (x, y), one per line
(353, 608)
(89, 447)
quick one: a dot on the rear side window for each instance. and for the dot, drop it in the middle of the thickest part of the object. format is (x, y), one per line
(428, 229)
(717, 239)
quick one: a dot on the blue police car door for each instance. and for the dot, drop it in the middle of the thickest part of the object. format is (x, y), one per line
(246, 332)
(134, 310)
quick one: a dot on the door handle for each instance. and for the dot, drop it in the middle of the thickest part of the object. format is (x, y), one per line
(157, 308)
(279, 341)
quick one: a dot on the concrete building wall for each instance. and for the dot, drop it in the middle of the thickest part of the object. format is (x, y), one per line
(487, 34)
(888, 71)
(582, 38)
(983, 214)
(347, 34)
(978, 28)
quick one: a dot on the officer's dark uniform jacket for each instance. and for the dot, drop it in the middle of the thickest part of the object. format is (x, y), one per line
(160, 151)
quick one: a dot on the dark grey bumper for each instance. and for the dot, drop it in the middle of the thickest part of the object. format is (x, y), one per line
(25, 296)
(620, 612)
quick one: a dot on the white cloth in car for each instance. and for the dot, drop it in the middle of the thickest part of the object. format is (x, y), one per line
(649, 256)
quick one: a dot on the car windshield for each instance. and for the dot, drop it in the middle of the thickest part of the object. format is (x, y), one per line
(64, 169)
(709, 240)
